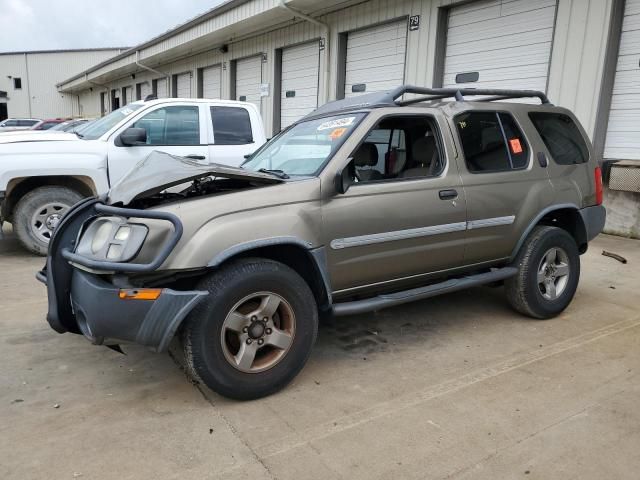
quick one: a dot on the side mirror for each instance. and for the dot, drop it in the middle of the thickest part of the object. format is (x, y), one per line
(344, 179)
(132, 137)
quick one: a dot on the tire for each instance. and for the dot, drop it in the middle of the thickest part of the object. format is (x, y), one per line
(44, 206)
(217, 348)
(541, 289)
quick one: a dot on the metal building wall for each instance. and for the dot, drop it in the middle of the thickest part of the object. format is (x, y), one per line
(40, 71)
(575, 72)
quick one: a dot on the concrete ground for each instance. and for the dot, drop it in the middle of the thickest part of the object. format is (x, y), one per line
(455, 387)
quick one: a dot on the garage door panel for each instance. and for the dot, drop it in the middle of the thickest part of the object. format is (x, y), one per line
(376, 58)
(623, 130)
(537, 20)
(514, 57)
(300, 70)
(212, 82)
(507, 42)
(248, 79)
(183, 85)
(161, 88)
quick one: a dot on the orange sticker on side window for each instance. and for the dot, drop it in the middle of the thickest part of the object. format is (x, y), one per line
(516, 146)
(337, 133)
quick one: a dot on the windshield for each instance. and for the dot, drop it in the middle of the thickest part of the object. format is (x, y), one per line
(304, 148)
(99, 127)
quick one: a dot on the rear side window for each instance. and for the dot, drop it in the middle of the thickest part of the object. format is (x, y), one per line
(231, 126)
(492, 142)
(561, 136)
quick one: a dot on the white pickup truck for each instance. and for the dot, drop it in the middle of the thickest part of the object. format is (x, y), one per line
(41, 179)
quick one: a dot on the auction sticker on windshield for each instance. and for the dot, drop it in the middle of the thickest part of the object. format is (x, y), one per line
(339, 122)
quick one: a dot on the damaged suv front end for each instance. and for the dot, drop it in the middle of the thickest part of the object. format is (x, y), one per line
(102, 257)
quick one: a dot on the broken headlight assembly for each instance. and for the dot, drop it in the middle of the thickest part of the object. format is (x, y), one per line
(112, 239)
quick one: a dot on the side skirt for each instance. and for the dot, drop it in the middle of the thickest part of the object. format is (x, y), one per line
(398, 298)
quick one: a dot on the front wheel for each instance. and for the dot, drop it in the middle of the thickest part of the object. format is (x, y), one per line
(38, 213)
(548, 274)
(254, 333)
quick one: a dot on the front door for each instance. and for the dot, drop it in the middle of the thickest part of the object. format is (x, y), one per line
(174, 129)
(404, 216)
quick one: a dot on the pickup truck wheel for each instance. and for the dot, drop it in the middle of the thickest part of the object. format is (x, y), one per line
(255, 332)
(38, 213)
(549, 270)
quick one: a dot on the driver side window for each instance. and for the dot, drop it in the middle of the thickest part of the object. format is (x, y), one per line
(174, 125)
(397, 148)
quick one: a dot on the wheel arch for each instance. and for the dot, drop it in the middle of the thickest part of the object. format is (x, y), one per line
(19, 187)
(309, 263)
(565, 216)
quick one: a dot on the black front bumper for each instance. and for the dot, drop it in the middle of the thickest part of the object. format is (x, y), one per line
(86, 303)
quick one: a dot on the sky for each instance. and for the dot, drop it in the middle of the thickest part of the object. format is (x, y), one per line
(64, 24)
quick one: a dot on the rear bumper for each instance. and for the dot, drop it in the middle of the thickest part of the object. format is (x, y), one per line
(102, 316)
(594, 219)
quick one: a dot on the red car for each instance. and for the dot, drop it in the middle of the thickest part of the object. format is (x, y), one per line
(47, 124)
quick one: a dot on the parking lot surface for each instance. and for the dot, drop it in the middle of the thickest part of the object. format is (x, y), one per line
(456, 387)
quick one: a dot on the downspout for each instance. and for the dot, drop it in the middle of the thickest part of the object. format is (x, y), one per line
(327, 41)
(157, 72)
(26, 68)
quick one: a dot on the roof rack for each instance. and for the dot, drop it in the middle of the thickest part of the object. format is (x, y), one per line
(459, 94)
(390, 98)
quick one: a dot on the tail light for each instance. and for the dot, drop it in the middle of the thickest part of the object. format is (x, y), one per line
(599, 191)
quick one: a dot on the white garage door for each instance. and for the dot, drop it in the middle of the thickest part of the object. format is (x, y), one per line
(145, 90)
(299, 91)
(502, 43)
(161, 88)
(212, 82)
(183, 85)
(623, 132)
(248, 80)
(375, 58)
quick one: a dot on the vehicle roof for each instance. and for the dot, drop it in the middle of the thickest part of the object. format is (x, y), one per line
(429, 98)
(190, 100)
(23, 118)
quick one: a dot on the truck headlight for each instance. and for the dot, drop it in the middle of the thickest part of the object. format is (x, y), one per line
(112, 239)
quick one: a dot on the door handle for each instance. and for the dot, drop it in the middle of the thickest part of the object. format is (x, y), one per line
(450, 194)
(542, 160)
(195, 157)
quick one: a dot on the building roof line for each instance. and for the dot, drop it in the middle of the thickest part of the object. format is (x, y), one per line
(65, 50)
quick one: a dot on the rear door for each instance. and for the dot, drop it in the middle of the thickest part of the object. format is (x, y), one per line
(505, 185)
(231, 133)
(178, 129)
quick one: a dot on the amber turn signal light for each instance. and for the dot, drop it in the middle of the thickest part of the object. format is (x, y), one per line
(140, 294)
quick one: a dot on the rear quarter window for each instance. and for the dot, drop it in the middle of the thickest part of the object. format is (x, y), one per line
(561, 136)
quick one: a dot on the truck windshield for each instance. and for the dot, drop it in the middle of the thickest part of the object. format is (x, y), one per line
(304, 148)
(99, 127)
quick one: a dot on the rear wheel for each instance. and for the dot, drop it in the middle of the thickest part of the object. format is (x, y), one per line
(255, 332)
(38, 213)
(549, 270)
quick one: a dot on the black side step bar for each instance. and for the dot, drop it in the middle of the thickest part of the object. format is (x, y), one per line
(406, 296)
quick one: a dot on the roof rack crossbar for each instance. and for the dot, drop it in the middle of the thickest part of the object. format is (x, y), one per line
(460, 93)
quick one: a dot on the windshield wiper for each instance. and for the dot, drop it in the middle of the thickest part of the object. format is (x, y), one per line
(275, 173)
(78, 134)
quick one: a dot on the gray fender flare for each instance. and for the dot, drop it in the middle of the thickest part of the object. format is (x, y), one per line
(536, 220)
(317, 255)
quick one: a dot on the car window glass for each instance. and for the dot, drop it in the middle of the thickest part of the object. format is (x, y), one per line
(231, 126)
(27, 123)
(492, 142)
(398, 147)
(174, 125)
(47, 125)
(10, 123)
(561, 137)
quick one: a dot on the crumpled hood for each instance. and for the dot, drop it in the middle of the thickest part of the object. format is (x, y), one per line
(160, 171)
(36, 136)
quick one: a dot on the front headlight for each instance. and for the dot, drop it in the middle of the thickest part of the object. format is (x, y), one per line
(112, 239)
